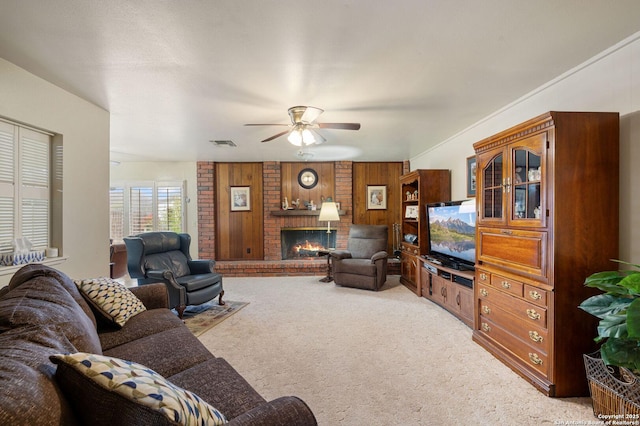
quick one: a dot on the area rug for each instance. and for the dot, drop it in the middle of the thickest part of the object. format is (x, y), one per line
(206, 316)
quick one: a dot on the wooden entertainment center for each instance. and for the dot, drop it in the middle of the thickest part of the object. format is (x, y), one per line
(450, 288)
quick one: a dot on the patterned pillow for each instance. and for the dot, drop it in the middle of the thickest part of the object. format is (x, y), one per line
(111, 299)
(130, 382)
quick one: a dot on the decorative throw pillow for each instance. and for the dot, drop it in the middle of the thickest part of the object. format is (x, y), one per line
(111, 299)
(130, 383)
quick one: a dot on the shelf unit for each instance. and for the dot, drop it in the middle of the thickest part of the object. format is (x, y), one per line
(547, 218)
(417, 189)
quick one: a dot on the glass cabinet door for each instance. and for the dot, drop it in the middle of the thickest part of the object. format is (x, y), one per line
(526, 185)
(492, 188)
(525, 182)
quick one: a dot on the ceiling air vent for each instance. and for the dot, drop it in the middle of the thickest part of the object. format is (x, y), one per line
(223, 143)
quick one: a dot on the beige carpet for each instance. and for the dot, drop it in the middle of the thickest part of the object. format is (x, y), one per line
(364, 358)
(203, 317)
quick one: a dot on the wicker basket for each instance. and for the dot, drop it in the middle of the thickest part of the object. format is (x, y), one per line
(614, 390)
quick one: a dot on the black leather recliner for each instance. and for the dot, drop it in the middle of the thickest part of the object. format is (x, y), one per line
(154, 257)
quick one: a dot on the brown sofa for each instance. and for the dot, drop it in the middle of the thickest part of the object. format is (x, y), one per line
(42, 313)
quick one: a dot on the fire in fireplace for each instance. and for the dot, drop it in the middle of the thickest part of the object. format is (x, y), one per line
(300, 243)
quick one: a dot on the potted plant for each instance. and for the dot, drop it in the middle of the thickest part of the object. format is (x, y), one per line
(612, 375)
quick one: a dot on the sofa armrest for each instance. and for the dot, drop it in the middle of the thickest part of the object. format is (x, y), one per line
(340, 254)
(379, 255)
(201, 266)
(152, 296)
(287, 410)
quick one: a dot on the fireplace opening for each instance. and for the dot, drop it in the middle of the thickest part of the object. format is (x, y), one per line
(301, 243)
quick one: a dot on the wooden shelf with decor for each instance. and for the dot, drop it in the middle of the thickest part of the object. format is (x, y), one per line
(547, 200)
(417, 189)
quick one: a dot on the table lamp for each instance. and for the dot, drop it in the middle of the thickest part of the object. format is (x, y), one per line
(329, 212)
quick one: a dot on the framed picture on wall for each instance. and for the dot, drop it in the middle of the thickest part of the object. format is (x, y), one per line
(240, 198)
(376, 197)
(471, 176)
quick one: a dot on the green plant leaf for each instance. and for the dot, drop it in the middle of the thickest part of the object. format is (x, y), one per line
(603, 305)
(613, 326)
(606, 281)
(626, 263)
(631, 282)
(622, 352)
(633, 319)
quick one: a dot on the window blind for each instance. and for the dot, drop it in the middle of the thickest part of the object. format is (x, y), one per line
(116, 202)
(24, 186)
(146, 206)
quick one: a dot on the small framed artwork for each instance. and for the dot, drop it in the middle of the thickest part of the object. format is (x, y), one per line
(376, 197)
(471, 176)
(240, 198)
(338, 206)
(411, 212)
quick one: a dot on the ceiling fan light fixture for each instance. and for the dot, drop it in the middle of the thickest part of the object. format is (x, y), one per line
(307, 137)
(295, 137)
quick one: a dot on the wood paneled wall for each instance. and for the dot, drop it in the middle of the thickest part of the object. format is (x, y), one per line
(325, 187)
(239, 234)
(386, 174)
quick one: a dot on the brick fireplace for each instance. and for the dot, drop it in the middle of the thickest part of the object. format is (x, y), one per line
(274, 221)
(273, 263)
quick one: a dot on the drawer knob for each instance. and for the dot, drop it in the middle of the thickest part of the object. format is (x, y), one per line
(486, 309)
(533, 335)
(483, 276)
(535, 295)
(486, 327)
(484, 292)
(531, 313)
(535, 358)
(506, 284)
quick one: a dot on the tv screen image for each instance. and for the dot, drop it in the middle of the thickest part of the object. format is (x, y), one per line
(452, 232)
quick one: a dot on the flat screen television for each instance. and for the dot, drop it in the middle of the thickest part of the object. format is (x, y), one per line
(452, 233)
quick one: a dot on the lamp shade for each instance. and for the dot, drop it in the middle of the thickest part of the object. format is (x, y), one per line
(329, 212)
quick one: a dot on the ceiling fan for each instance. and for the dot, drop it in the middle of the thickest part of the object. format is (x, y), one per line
(302, 129)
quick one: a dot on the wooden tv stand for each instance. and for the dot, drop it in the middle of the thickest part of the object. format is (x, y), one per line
(446, 287)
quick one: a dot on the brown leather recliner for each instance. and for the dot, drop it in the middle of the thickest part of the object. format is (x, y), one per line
(364, 263)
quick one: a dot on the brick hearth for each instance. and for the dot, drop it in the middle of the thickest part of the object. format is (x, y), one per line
(283, 268)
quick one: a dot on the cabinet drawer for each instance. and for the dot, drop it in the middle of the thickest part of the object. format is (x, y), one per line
(507, 284)
(531, 357)
(532, 334)
(521, 251)
(483, 277)
(518, 307)
(536, 295)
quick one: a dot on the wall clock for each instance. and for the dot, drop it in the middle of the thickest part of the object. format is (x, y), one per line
(307, 178)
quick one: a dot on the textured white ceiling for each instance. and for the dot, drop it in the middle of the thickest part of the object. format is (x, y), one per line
(177, 74)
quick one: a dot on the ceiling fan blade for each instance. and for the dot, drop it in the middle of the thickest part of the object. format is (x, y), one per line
(311, 114)
(266, 124)
(275, 136)
(320, 139)
(342, 126)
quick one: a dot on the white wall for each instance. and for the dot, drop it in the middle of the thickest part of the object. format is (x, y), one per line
(179, 171)
(84, 129)
(607, 82)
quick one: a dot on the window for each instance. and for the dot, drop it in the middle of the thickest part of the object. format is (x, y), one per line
(147, 206)
(25, 175)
